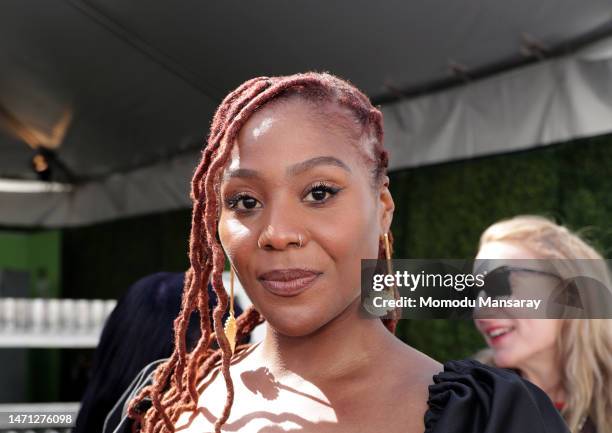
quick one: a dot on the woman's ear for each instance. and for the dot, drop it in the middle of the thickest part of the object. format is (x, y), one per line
(387, 206)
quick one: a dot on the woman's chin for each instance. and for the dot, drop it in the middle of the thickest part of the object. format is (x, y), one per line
(303, 318)
(504, 360)
(294, 324)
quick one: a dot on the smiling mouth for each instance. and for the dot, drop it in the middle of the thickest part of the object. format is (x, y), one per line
(495, 334)
(288, 282)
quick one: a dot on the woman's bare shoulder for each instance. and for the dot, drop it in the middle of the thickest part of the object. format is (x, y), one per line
(408, 375)
(416, 366)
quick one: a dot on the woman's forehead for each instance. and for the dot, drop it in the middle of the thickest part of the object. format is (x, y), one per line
(505, 250)
(288, 133)
(301, 115)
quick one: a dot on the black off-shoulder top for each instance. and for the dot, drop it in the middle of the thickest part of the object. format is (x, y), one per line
(470, 397)
(466, 397)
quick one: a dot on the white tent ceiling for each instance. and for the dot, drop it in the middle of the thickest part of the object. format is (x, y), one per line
(141, 80)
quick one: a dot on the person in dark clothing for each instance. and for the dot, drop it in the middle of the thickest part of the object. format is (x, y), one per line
(138, 332)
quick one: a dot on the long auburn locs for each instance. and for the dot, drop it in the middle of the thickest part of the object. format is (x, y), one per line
(174, 388)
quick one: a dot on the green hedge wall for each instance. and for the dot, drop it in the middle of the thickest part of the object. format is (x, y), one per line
(440, 212)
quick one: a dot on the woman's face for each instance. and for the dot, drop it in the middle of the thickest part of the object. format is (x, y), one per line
(516, 342)
(294, 178)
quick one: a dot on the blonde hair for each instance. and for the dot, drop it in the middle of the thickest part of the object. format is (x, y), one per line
(584, 345)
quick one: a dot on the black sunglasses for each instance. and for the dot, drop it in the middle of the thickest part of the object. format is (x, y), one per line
(497, 282)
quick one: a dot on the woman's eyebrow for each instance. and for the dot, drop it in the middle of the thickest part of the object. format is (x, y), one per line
(293, 170)
(240, 173)
(303, 166)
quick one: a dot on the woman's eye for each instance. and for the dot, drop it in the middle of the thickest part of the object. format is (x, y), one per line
(243, 202)
(322, 192)
(318, 193)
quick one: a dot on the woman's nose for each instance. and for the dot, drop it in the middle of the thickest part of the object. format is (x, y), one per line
(275, 239)
(283, 230)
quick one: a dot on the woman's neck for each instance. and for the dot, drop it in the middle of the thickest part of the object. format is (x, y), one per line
(544, 372)
(346, 346)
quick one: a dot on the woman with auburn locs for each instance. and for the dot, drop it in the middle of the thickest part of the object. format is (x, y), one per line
(570, 359)
(292, 187)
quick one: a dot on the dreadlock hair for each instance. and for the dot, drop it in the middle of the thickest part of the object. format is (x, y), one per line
(174, 385)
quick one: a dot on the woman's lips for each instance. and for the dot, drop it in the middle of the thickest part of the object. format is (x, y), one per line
(496, 334)
(288, 282)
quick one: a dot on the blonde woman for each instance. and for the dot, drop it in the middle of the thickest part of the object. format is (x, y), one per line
(570, 359)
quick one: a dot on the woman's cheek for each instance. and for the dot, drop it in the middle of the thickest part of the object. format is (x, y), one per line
(542, 333)
(346, 243)
(238, 244)
(233, 232)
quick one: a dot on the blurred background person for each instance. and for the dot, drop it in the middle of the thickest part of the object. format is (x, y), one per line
(138, 332)
(570, 359)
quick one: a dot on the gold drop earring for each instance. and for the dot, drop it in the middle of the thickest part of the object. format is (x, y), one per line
(230, 324)
(390, 292)
(388, 253)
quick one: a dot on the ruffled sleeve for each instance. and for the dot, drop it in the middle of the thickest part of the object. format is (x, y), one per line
(470, 397)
